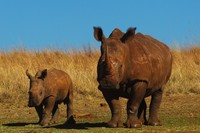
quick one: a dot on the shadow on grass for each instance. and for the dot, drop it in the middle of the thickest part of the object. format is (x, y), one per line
(79, 126)
(61, 126)
(18, 124)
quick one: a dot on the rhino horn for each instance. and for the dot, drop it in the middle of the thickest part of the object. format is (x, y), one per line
(29, 75)
(107, 59)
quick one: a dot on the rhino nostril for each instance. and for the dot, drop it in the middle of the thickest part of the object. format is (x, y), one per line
(41, 93)
(117, 86)
(30, 97)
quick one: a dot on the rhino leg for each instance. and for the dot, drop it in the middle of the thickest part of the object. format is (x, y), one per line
(136, 96)
(39, 110)
(142, 112)
(47, 111)
(154, 107)
(55, 114)
(112, 99)
(69, 102)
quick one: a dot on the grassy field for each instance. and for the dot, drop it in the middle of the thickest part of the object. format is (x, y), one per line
(178, 113)
(179, 110)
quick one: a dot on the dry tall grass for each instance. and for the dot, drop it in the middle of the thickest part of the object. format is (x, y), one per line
(81, 66)
(185, 78)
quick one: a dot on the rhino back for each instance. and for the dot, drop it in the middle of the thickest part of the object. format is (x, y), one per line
(57, 83)
(151, 60)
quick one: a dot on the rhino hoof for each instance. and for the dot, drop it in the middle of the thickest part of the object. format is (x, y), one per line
(53, 122)
(113, 124)
(70, 121)
(44, 124)
(133, 124)
(154, 123)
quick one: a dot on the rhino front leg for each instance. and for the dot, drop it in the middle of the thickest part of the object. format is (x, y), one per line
(39, 110)
(154, 107)
(112, 99)
(55, 114)
(136, 96)
(47, 111)
(142, 112)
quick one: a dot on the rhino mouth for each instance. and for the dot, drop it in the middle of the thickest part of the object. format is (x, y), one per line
(32, 103)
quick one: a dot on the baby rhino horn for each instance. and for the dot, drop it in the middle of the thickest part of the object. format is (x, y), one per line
(29, 75)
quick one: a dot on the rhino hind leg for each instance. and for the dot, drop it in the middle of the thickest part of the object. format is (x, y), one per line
(113, 101)
(154, 107)
(133, 104)
(69, 102)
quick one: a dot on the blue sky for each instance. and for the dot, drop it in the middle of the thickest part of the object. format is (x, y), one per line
(68, 24)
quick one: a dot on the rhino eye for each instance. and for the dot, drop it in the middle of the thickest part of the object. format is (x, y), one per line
(41, 93)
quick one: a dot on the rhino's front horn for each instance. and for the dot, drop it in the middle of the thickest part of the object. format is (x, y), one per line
(29, 75)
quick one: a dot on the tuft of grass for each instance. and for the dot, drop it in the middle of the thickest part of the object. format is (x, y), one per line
(81, 65)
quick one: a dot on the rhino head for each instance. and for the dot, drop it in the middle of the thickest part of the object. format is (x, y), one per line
(36, 90)
(112, 62)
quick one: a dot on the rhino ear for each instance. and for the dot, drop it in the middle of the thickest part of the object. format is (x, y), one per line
(98, 34)
(128, 35)
(43, 74)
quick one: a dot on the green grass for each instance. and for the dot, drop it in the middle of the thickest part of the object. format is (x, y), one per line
(172, 124)
(177, 113)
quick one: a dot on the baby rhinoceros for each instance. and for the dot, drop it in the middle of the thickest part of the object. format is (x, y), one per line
(48, 89)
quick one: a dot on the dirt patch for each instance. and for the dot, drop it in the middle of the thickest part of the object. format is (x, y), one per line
(187, 105)
(84, 116)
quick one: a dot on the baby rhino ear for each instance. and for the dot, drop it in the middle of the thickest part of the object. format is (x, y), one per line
(43, 74)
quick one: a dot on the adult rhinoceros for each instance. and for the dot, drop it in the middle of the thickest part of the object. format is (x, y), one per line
(133, 66)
